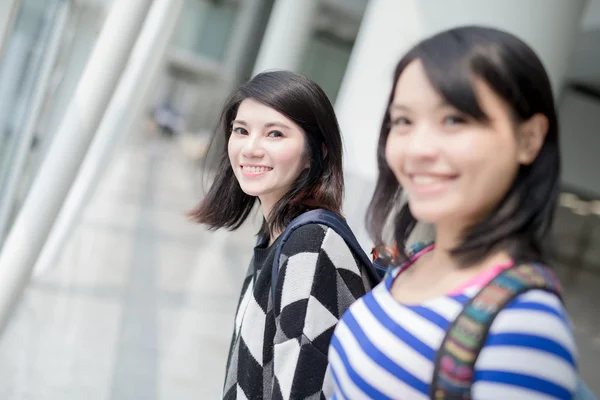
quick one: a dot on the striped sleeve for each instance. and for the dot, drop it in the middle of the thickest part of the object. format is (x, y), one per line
(530, 352)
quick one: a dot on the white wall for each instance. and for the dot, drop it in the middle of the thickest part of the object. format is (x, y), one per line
(580, 141)
(584, 65)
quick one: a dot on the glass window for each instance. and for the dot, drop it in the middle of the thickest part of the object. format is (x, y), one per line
(26, 51)
(205, 28)
(325, 62)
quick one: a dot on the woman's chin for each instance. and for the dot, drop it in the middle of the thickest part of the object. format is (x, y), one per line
(429, 214)
(251, 191)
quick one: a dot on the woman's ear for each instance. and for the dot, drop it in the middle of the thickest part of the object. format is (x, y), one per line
(532, 135)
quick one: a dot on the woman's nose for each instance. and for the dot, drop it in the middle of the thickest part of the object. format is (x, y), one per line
(253, 147)
(421, 143)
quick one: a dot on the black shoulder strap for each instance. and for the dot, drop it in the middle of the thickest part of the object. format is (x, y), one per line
(335, 222)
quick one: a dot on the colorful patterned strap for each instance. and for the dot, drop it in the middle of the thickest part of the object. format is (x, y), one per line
(455, 363)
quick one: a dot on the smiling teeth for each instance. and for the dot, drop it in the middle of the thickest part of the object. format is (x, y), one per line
(426, 180)
(256, 169)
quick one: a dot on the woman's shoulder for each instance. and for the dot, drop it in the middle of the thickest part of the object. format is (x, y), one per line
(537, 317)
(530, 345)
(317, 238)
(306, 238)
(536, 303)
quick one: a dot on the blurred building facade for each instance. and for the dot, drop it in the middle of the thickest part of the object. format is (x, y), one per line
(349, 47)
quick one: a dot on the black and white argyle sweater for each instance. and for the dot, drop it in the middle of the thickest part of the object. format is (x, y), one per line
(282, 353)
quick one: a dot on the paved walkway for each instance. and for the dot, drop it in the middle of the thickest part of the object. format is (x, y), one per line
(140, 305)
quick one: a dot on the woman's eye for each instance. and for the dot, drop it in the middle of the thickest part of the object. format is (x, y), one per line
(400, 121)
(240, 130)
(275, 134)
(454, 120)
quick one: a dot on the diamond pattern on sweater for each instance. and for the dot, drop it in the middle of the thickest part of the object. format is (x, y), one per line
(281, 354)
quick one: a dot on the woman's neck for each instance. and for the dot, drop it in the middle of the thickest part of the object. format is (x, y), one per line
(266, 209)
(447, 238)
(273, 235)
(266, 206)
(439, 272)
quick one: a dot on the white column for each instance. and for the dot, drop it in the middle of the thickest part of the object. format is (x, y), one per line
(286, 37)
(133, 91)
(34, 221)
(391, 27)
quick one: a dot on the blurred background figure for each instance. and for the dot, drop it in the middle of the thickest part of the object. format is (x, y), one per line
(168, 120)
(107, 291)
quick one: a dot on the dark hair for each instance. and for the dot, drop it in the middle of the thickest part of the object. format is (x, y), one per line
(452, 59)
(319, 186)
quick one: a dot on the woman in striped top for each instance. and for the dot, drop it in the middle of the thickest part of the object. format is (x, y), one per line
(471, 138)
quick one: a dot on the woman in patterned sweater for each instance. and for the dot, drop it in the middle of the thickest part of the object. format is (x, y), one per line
(470, 136)
(283, 148)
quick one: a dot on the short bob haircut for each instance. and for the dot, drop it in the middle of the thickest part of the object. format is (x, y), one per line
(321, 185)
(452, 60)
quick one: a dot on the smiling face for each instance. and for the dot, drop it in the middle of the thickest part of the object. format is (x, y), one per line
(267, 152)
(453, 168)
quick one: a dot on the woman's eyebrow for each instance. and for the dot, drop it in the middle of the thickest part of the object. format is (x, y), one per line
(279, 124)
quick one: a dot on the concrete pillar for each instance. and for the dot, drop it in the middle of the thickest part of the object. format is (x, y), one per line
(288, 32)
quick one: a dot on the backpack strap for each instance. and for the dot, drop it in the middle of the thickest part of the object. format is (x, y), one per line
(339, 225)
(456, 357)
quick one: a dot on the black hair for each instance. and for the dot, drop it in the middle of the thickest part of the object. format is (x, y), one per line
(452, 60)
(321, 185)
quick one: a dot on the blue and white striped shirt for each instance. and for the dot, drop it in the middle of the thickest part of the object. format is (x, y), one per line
(382, 349)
